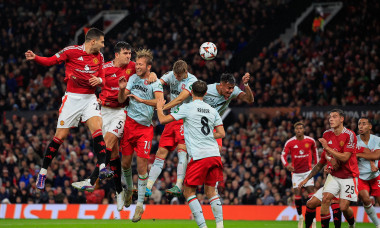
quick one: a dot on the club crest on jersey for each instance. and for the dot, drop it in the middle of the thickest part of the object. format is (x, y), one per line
(307, 145)
(146, 82)
(183, 86)
(128, 71)
(95, 60)
(62, 122)
(341, 143)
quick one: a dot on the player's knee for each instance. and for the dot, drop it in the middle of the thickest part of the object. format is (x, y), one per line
(344, 206)
(162, 153)
(312, 203)
(326, 199)
(366, 201)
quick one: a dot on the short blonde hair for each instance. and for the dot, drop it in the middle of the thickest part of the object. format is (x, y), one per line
(145, 53)
(299, 123)
(180, 67)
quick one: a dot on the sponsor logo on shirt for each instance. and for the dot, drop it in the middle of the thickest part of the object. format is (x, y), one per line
(301, 152)
(175, 92)
(115, 88)
(87, 69)
(138, 87)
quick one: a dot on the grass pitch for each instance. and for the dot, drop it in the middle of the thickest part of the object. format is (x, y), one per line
(71, 223)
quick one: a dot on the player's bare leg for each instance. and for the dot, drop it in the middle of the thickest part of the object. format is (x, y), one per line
(325, 211)
(50, 153)
(216, 205)
(95, 126)
(181, 170)
(368, 207)
(157, 167)
(347, 211)
(195, 206)
(142, 167)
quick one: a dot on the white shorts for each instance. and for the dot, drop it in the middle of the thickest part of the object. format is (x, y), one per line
(319, 194)
(113, 121)
(77, 107)
(297, 178)
(344, 188)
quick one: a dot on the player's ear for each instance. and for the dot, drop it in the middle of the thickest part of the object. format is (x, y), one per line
(149, 67)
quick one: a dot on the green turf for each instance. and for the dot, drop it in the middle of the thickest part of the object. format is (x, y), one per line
(146, 223)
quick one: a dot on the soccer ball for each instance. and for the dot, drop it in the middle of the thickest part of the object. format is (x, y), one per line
(208, 51)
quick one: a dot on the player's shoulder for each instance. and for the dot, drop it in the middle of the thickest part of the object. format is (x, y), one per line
(291, 140)
(133, 77)
(309, 138)
(348, 132)
(74, 47)
(191, 77)
(131, 64)
(108, 64)
(328, 132)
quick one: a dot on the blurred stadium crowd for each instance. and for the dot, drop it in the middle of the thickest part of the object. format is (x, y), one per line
(338, 66)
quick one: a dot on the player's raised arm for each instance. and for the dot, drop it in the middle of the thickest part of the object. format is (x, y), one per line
(247, 95)
(164, 119)
(178, 100)
(46, 61)
(123, 92)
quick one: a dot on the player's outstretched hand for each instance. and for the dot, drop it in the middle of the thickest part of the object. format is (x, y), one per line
(29, 55)
(122, 82)
(246, 78)
(160, 103)
(302, 184)
(94, 80)
(323, 142)
(152, 77)
(138, 99)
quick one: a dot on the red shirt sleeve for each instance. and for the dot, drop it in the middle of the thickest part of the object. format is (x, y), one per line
(314, 151)
(284, 154)
(58, 58)
(323, 158)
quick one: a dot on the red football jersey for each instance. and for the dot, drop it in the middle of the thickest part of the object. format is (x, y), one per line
(80, 67)
(344, 142)
(302, 153)
(110, 91)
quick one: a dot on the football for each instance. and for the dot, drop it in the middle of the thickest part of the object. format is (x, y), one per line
(208, 51)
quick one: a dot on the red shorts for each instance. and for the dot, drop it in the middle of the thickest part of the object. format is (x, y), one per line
(204, 171)
(137, 138)
(219, 141)
(372, 186)
(172, 135)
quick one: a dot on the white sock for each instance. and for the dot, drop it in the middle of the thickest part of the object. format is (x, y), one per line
(155, 171)
(217, 210)
(181, 167)
(196, 209)
(371, 212)
(141, 183)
